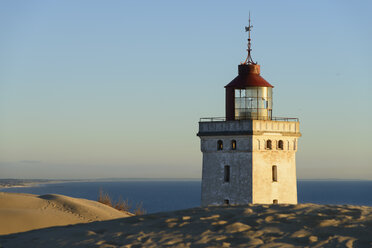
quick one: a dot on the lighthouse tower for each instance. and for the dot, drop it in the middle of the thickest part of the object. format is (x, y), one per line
(249, 156)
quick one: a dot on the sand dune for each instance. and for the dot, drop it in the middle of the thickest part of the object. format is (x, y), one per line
(303, 225)
(24, 212)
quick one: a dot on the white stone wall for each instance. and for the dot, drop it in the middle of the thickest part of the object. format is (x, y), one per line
(251, 125)
(214, 189)
(285, 189)
(264, 190)
(243, 144)
(251, 163)
(217, 126)
(276, 126)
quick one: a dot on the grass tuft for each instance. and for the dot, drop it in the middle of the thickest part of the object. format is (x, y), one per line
(104, 198)
(123, 205)
(120, 205)
(139, 209)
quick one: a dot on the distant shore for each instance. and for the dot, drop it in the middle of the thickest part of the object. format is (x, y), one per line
(22, 183)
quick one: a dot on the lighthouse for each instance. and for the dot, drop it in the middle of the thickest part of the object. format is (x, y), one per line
(249, 156)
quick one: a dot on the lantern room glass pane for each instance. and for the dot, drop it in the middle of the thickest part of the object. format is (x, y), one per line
(251, 92)
(253, 103)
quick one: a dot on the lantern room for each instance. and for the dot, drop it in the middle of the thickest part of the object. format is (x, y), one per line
(249, 96)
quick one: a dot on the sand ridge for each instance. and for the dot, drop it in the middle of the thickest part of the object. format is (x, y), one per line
(24, 212)
(303, 225)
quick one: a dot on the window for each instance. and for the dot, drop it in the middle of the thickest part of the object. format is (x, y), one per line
(280, 145)
(268, 145)
(294, 145)
(233, 145)
(275, 201)
(253, 103)
(227, 174)
(226, 201)
(275, 173)
(219, 145)
(258, 145)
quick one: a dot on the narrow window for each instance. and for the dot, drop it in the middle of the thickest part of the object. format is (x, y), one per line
(233, 145)
(227, 174)
(280, 145)
(219, 145)
(275, 173)
(268, 145)
(288, 145)
(258, 144)
(294, 145)
(226, 201)
(275, 201)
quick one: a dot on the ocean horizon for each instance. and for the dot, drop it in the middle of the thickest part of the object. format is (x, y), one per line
(160, 195)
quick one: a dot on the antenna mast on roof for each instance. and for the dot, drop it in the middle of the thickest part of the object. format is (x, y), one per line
(248, 29)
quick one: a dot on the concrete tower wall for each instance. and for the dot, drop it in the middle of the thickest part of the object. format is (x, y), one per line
(264, 189)
(214, 188)
(251, 162)
(284, 189)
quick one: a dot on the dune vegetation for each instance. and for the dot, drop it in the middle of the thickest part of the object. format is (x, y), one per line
(120, 204)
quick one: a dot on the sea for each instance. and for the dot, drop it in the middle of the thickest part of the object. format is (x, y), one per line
(168, 195)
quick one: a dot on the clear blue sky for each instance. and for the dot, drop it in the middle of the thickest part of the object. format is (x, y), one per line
(116, 88)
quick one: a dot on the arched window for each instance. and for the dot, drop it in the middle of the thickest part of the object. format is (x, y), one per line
(227, 174)
(275, 173)
(294, 145)
(275, 201)
(280, 145)
(268, 145)
(233, 145)
(219, 145)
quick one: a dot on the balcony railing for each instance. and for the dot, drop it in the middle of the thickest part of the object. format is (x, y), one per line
(214, 119)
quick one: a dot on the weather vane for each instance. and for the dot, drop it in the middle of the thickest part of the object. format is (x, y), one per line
(248, 29)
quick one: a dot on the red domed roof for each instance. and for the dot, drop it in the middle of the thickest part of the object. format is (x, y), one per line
(249, 76)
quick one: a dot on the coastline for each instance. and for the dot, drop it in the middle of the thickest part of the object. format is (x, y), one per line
(165, 196)
(24, 183)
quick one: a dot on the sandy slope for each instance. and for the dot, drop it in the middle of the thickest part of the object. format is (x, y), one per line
(23, 212)
(304, 225)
